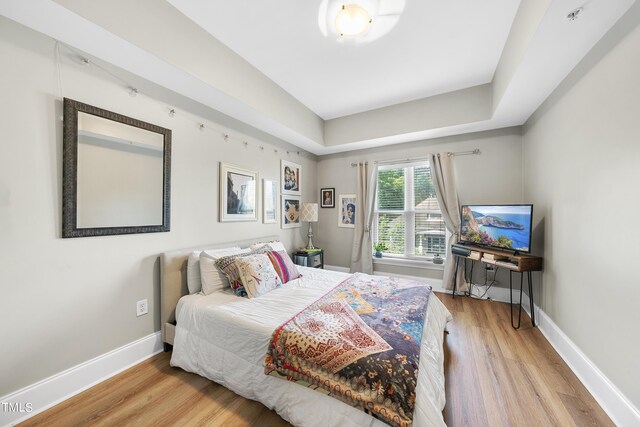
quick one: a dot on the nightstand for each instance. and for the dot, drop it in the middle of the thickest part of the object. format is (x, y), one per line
(309, 259)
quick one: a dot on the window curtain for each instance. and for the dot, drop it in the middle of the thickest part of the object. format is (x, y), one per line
(444, 182)
(362, 249)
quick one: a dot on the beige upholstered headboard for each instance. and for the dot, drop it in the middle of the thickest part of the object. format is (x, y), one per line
(173, 280)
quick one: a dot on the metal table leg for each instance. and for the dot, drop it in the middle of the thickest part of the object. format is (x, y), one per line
(455, 276)
(511, 298)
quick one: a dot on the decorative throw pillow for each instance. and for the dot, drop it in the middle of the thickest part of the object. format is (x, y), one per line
(257, 275)
(229, 268)
(283, 265)
(212, 278)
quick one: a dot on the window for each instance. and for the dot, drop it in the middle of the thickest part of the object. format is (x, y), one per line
(407, 214)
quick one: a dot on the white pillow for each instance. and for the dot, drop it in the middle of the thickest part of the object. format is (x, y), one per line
(212, 278)
(194, 278)
(257, 274)
(194, 282)
(276, 245)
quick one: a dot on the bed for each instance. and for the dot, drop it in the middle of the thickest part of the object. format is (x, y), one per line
(225, 338)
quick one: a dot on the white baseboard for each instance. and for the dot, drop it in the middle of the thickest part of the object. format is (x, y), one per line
(621, 411)
(336, 268)
(27, 402)
(495, 293)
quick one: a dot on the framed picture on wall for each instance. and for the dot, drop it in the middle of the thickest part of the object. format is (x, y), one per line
(290, 212)
(269, 201)
(238, 194)
(290, 178)
(327, 197)
(347, 210)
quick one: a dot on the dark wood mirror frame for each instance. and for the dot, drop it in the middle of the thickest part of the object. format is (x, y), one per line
(71, 109)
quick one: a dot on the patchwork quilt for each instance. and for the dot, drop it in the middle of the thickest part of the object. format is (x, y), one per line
(360, 343)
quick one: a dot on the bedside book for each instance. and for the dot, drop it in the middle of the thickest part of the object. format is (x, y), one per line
(309, 251)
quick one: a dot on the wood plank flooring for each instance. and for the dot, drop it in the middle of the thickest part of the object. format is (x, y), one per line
(495, 376)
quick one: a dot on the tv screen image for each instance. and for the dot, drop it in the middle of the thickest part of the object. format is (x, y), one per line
(497, 226)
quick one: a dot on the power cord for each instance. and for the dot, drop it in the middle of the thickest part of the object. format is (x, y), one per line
(488, 286)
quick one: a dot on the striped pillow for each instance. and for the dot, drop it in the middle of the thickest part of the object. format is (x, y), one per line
(283, 265)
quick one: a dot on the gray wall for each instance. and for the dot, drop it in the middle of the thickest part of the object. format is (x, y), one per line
(495, 176)
(582, 157)
(65, 301)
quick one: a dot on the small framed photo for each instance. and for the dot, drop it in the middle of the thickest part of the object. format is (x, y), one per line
(347, 210)
(269, 201)
(238, 194)
(328, 197)
(290, 178)
(291, 212)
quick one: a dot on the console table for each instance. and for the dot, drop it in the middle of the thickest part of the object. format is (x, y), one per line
(515, 264)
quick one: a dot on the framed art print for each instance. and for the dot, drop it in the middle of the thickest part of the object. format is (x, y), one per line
(290, 178)
(238, 194)
(290, 212)
(347, 210)
(327, 197)
(269, 201)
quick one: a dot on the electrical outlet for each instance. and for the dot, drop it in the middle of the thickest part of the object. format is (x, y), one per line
(142, 308)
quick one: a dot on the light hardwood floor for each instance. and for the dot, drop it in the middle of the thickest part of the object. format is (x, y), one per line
(495, 376)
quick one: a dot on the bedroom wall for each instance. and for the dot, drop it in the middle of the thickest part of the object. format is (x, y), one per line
(65, 301)
(495, 176)
(582, 156)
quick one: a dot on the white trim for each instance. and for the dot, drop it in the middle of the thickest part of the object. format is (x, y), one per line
(495, 293)
(404, 262)
(621, 411)
(59, 387)
(336, 268)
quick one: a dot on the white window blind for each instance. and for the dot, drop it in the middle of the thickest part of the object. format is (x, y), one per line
(408, 219)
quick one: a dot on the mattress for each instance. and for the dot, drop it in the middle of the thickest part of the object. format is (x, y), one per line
(225, 338)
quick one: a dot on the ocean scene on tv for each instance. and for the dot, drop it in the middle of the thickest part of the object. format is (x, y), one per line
(507, 227)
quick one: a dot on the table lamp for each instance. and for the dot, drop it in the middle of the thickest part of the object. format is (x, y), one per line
(310, 215)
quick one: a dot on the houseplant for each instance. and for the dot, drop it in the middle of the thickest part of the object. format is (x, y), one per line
(380, 247)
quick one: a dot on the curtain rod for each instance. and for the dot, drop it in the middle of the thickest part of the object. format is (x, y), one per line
(465, 153)
(417, 159)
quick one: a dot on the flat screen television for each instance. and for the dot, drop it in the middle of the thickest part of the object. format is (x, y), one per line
(505, 227)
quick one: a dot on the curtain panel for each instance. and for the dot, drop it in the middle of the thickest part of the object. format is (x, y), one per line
(444, 182)
(361, 251)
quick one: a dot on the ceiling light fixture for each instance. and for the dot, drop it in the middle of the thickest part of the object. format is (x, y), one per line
(358, 23)
(352, 20)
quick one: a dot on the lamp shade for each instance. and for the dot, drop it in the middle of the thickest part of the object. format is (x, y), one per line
(309, 212)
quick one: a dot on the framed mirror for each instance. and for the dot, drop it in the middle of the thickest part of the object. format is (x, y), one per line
(116, 173)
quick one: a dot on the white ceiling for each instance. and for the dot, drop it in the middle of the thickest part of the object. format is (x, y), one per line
(436, 47)
(448, 67)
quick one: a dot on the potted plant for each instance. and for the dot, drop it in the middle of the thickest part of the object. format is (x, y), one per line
(437, 259)
(380, 247)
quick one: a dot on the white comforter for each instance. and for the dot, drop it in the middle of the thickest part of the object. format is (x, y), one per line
(225, 338)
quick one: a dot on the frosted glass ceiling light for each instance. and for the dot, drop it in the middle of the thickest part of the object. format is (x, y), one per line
(358, 23)
(352, 20)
